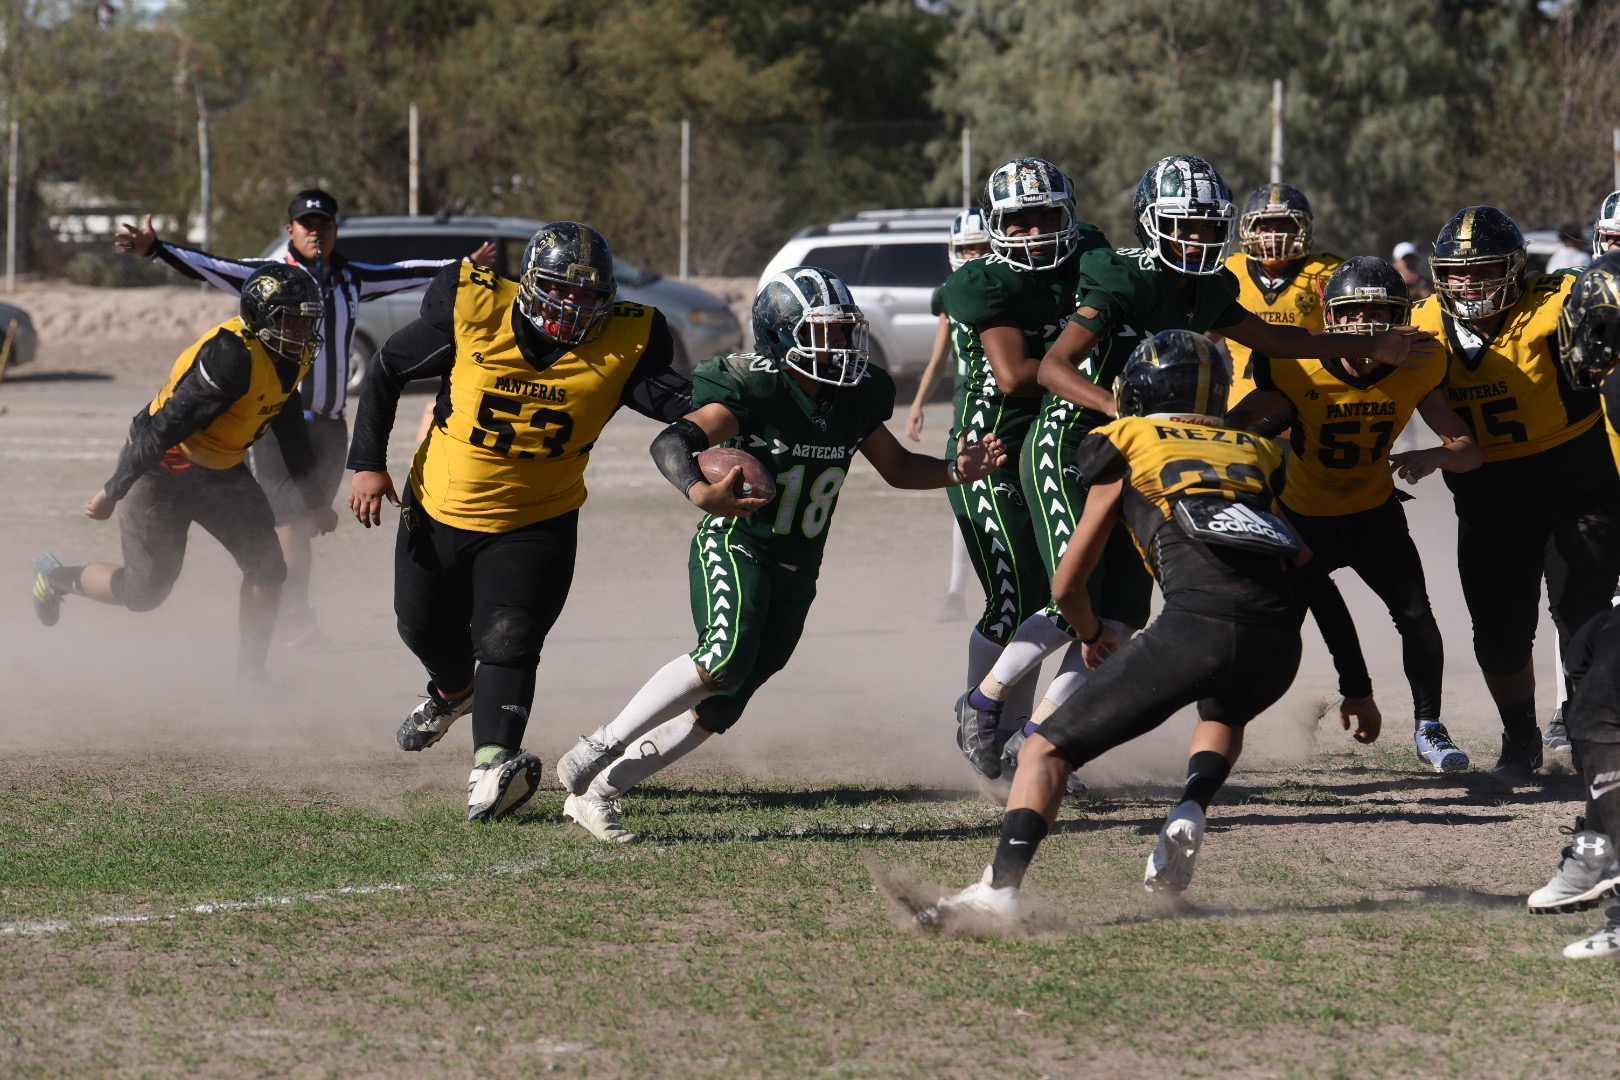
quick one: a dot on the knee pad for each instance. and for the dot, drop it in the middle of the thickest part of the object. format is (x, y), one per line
(509, 637)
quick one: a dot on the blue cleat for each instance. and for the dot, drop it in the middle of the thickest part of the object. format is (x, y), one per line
(47, 601)
(1435, 748)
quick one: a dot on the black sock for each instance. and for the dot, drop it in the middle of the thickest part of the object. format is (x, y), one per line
(1519, 721)
(1021, 833)
(1206, 772)
(65, 579)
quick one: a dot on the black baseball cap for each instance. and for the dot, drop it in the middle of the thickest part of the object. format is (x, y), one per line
(312, 201)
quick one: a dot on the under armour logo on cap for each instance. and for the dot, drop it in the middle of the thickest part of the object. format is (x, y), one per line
(312, 201)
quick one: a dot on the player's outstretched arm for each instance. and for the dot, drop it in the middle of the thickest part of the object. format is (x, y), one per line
(1060, 368)
(901, 468)
(1099, 638)
(930, 377)
(1256, 406)
(1400, 346)
(1458, 451)
(675, 452)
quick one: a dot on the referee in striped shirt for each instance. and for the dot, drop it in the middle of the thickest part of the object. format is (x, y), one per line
(312, 231)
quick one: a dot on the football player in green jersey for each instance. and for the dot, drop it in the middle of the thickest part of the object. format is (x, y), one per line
(1175, 281)
(1005, 311)
(804, 404)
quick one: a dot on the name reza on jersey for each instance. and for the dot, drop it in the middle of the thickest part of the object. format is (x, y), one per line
(543, 391)
(1206, 434)
(1360, 408)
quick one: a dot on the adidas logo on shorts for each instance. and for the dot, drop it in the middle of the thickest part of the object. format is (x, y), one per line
(1238, 518)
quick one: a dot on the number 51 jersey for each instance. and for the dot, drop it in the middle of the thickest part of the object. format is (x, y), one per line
(805, 444)
(514, 448)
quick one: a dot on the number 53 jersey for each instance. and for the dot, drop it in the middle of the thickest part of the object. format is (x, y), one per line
(805, 444)
(513, 449)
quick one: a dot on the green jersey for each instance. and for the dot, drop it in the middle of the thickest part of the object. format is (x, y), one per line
(805, 444)
(1136, 297)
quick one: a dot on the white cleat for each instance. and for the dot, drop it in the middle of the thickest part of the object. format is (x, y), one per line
(1170, 867)
(1605, 944)
(598, 816)
(430, 720)
(980, 898)
(502, 785)
(577, 768)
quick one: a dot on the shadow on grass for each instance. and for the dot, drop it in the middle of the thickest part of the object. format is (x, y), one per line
(1426, 895)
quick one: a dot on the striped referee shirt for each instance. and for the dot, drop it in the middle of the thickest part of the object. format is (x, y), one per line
(325, 390)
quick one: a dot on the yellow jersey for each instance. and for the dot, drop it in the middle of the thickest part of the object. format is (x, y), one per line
(1511, 394)
(1346, 426)
(513, 449)
(224, 443)
(1297, 303)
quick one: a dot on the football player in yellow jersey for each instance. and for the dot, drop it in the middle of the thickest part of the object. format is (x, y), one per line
(1200, 500)
(1548, 477)
(1279, 279)
(184, 463)
(1340, 498)
(530, 373)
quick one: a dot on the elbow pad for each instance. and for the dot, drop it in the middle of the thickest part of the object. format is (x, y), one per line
(675, 452)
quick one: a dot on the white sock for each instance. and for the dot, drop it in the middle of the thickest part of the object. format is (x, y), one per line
(1037, 639)
(982, 653)
(672, 690)
(1070, 677)
(664, 745)
(961, 565)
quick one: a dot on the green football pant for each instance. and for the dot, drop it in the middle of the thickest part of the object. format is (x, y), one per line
(995, 524)
(749, 613)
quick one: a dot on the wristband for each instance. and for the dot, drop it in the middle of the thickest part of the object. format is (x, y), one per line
(1094, 638)
(953, 475)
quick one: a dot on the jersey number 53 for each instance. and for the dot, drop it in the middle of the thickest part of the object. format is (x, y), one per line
(497, 428)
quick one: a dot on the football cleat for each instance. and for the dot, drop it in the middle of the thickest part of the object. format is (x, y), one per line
(1604, 943)
(430, 720)
(502, 785)
(598, 815)
(976, 734)
(1520, 759)
(1073, 787)
(980, 898)
(577, 768)
(1556, 737)
(1170, 867)
(47, 601)
(1435, 748)
(1587, 873)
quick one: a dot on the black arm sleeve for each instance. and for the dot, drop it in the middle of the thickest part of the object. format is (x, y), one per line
(424, 349)
(1275, 424)
(1326, 603)
(654, 388)
(675, 452)
(292, 435)
(220, 374)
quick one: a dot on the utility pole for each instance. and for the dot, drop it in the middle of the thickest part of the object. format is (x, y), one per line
(967, 166)
(1277, 97)
(11, 214)
(686, 196)
(416, 161)
(207, 195)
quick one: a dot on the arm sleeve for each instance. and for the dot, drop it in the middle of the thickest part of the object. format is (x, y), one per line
(383, 279)
(1099, 460)
(227, 275)
(220, 374)
(655, 389)
(675, 452)
(424, 349)
(1326, 604)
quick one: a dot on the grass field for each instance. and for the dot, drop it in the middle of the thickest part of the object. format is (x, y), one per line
(1349, 919)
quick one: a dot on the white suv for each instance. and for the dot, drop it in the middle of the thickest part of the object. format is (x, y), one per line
(892, 261)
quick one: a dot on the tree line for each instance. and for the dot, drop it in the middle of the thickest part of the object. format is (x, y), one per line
(1399, 111)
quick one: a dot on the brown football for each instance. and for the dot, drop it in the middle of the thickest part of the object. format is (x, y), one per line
(755, 482)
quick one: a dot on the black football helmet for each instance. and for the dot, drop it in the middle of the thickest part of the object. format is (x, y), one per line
(1365, 281)
(1606, 229)
(563, 257)
(282, 307)
(1175, 372)
(1178, 190)
(1589, 325)
(967, 230)
(805, 319)
(1479, 236)
(1262, 231)
(1031, 183)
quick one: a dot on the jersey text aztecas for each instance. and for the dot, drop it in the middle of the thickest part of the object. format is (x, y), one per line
(224, 443)
(807, 445)
(1512, 394)
(1164, 460)
(1346, 424)
(1297, 303)
(514, 448)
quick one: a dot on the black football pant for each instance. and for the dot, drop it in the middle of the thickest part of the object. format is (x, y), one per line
(466, 599)
(1234, 671)
(1377, 545)
(1593, 717)
(1507, 514)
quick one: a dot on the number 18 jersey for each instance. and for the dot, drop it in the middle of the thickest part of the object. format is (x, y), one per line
(806, 445)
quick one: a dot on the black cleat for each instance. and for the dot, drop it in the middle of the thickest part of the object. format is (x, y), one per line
(1521, 757)
(976, 735)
